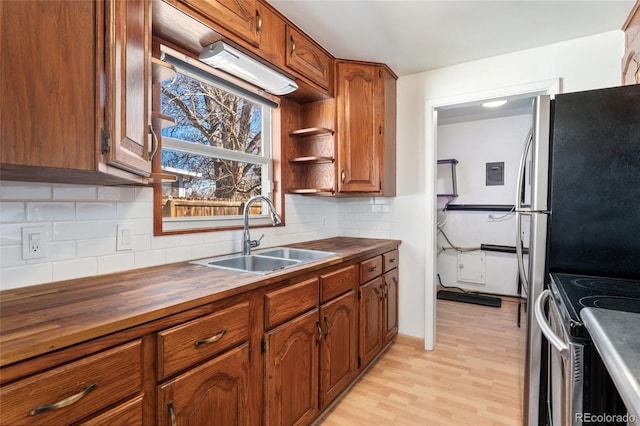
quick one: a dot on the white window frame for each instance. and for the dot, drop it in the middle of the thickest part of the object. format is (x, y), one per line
(208, 223)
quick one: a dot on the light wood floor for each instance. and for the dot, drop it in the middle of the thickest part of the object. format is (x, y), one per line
(473, 377)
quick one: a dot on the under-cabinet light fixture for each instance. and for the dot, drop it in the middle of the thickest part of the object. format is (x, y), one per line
(494, 104)
(221, 55)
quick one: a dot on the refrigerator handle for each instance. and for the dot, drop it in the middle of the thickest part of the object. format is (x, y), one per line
(519, 253)
(521, 172)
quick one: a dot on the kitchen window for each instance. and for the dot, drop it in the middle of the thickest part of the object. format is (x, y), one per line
(219, 150)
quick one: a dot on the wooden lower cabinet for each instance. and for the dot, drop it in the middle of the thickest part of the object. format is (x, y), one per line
(127, 413)
(291, 382)
(272, 357)
(371, 320)
(390, 305)
(339, 347)
(75, 390)
(214, 393)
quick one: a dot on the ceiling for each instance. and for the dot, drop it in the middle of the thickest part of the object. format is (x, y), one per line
(415, 36)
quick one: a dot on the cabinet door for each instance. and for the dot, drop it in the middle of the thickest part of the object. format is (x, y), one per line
(339, 349)
(241, 17)
(291, 396)
(304, 56)
(128, 96)
(390, 305)
(48, 104)
(214, 393)
(371, 320)
(359, 132)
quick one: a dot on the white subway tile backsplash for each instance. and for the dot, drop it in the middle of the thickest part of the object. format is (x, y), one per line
(75, 268)
(22, 276)
(81, 224)
(50, 211)
(75, 230)
(116, 193)
(134, 210)
(12, 212)
(96, 247)
(141, 243)
(96, 211)
(74, 192)
(144, 259)
(116, 263)
(11, 256)
(24, 191)
(178, 254)
(144, 194)
(61, 250)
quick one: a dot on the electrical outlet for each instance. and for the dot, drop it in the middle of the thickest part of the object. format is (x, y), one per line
(33, 243)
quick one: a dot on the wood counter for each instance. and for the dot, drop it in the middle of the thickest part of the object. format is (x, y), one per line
(41, 319)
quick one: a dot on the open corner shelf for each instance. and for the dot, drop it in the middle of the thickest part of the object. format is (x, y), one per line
(312, 160)
(327, 191)
(162, 121)
(311, 131)
(161, 71)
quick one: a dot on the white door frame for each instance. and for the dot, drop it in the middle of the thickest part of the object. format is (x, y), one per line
(550, 87)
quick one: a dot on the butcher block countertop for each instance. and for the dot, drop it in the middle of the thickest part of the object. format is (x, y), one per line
(40, 319)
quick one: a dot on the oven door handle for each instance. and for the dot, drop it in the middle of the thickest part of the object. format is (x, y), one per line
(541, 319)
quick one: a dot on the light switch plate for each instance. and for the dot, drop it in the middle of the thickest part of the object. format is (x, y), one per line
(124, 237)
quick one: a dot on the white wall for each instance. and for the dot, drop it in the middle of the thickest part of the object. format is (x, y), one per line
(581, 64)
(473, 144)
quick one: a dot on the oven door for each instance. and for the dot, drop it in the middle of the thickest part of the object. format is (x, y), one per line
(565, 374)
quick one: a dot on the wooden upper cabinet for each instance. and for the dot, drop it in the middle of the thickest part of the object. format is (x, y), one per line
(272, 33)
(240, 17)
(128, 86)
(62, 57)
(631, 58)
(366, 114)
(306, 57)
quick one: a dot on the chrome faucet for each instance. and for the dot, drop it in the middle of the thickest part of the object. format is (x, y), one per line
(247, 243)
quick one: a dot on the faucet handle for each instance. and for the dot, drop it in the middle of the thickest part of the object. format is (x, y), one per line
(256, 243)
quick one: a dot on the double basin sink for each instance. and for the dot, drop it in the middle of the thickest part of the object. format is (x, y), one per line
(269, 260)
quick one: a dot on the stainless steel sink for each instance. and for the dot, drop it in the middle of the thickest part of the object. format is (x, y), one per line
(303, 255)
(252, 263)
(266, 261)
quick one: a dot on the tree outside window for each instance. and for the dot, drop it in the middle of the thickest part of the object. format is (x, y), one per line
(217, 149)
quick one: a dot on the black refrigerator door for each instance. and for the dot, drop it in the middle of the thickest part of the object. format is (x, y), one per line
(595, 183)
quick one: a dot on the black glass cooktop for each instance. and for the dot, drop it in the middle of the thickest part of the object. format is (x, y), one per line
(579, 291)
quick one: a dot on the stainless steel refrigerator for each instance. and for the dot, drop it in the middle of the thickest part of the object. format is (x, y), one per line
(579, 187)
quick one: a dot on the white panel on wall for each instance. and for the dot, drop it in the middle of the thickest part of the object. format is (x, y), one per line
(471, 267)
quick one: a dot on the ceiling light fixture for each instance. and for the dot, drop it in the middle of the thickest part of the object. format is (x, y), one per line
(494, 104)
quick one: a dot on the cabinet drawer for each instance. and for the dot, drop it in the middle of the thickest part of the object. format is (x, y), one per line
(186, 344)
(370, 269)
(390, 260)
(78, 389)
(291, 301)
(335, 283)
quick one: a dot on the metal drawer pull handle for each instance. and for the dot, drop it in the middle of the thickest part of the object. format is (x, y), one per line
(373, 269)
(212, 339)
(65, 402)
(392, 260)
(326, 322)
(172, 413)
(293, 45)
(319, 332)
(258, 22)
